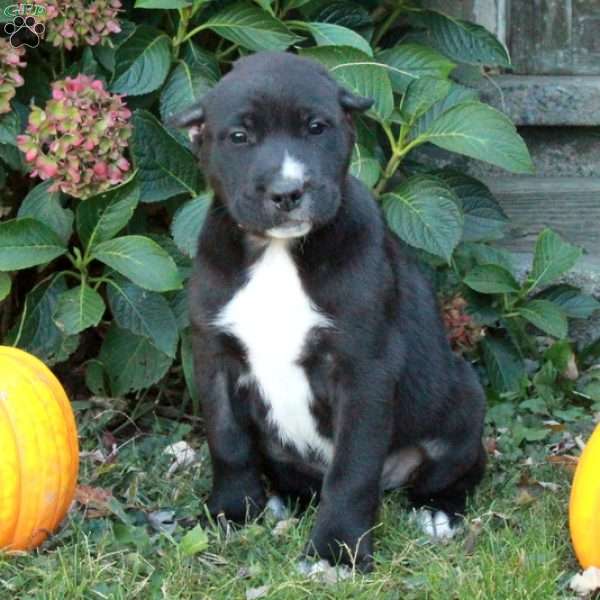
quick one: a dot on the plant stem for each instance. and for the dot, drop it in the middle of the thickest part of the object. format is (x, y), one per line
(386, 25)
(399, 151)
(185, 14)
(193, 32)
(226, 52)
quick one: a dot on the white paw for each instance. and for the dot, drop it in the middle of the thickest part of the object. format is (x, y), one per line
(277, 509)
(436, 525)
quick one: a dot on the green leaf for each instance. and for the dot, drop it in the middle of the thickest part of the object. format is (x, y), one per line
(458, 94)
(422, 94)
(252, 28)
(484, 254)
(185, 86)
(194, 541)
(570, 299)
(26, 242)
(141, 260)
(95, 378)
(423, 212)
(101, 217)
(132, 362)
(46, 207)
(5, 285)
(484, 218)
(144, 313)
(561, 355)
(36, 332)
(505, 368)
(553, 257)
(142, 62)
(409, 62)
(165, 168)
(545, 316)
(77, 309)
(480, 131)
(167, 4)
(491, 279)
(187, 362)
(198, 57)
(462, 41)
(364, 165)
(10, 127)
(187, 223)
(329, 34)
(359, 72)
(266, 5)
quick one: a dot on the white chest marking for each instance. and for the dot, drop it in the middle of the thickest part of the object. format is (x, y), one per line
(272, 316)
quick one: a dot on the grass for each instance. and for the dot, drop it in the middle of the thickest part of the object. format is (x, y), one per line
(515, 546)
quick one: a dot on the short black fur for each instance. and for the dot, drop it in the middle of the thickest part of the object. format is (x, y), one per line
(384, 378)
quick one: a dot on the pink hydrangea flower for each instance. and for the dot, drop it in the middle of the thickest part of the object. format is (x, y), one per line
(11, 60)
(79, 22)
(79, 138)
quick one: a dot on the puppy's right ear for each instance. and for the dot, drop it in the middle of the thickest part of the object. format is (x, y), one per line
(191, 119)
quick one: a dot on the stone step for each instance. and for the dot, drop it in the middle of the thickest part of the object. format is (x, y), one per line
(537, 100)
(568, 205)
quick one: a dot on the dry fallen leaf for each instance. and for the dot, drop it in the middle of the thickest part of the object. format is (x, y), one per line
(94, 500)
(184, 455)
(283, 527)
(587, 582)
(257, 592)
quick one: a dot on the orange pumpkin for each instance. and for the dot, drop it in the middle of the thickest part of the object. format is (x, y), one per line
(584, 505)
(39, 451)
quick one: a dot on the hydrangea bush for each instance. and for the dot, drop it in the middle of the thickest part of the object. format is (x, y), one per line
(103, 201)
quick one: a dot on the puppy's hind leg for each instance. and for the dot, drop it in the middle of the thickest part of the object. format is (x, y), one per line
(440, 492)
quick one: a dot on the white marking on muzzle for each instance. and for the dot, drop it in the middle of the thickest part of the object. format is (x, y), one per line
(292, 168)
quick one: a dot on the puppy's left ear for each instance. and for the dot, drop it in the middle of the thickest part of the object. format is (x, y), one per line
(352, 102)
(191, 119)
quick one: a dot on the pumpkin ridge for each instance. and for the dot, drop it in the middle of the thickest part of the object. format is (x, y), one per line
(19, 485)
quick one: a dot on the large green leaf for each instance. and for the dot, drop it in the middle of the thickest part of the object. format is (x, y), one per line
(46, 207)
(165, 167)
(421, 95)
(480, 131)
(251, 27)
(330, 34)
(484, 218)
(187, 223)
(553, 257)
(187, 362)
(408, 62)
(458, 94)
(167, 4)
(144, 313)
(142, 62)
(491, 279)
(196, 56)
(570, 299)
(504, 365)
(545, 316)
(423, 211)
(132, 362)
(359, 72)
(36, 332)
(101, 217)
(364, 165)
(141, 260)
(5, 285)
(26, 242)
(462, 41)
(77, 309)
(185, 86)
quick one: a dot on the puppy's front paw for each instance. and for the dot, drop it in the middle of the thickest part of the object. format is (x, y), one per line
(238, 505)
(336, 543)
(438, 525)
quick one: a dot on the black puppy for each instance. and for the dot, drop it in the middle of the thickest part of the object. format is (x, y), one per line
(320, 355)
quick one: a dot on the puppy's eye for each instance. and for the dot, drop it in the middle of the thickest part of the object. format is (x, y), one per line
(316, 127)
(238, 137)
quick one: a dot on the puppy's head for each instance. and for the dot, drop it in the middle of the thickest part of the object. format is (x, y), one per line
(274, 139)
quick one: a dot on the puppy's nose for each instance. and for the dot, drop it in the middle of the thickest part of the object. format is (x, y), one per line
(286, 193)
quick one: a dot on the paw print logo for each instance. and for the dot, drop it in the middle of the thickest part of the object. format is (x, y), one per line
(25, 32)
